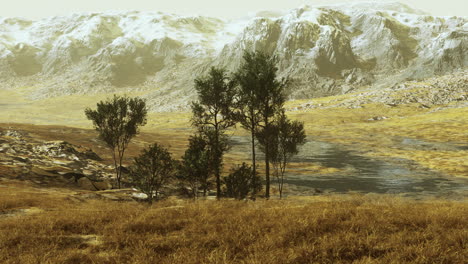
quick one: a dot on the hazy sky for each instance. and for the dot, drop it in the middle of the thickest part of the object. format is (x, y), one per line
(218, 8)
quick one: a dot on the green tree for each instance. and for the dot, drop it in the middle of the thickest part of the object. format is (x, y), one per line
(260, 97)
(151, 170)
(213, 115)
(240, 182)
(284, 139)
(196, 165)
(117, 121)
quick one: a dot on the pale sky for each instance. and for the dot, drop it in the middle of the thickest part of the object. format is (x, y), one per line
(34, 9)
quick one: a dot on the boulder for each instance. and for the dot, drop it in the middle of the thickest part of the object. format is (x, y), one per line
(86, 184)
(103, 185)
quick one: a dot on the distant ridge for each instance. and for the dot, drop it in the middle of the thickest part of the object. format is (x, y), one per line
(324, 50)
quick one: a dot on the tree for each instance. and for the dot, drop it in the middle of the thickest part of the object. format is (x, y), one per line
(284, 138)
(260, 97)
(196, 165)
(117, 121)
(240, 182)
(151, 170)
(213, 115)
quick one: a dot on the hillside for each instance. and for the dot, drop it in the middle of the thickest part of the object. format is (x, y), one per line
(323, 50)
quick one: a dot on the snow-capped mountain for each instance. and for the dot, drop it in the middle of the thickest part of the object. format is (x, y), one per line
(323, 50)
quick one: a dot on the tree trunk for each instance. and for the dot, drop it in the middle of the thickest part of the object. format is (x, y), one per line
(150, 197)
(119, 175)
(281, 187)
(254, 167)
(267, 171)
(217, 164)
(117, 169)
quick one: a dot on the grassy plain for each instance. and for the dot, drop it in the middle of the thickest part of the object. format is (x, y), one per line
(51, 226)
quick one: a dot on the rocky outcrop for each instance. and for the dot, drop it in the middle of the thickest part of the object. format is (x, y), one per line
(429, 93)
(322, 50)
(52, 163)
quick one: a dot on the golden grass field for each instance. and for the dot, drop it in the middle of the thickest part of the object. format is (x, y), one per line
(48, 226)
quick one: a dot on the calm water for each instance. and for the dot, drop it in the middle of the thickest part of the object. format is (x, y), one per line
(362, 174)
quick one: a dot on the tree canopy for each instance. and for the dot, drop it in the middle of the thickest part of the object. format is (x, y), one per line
(117, 121)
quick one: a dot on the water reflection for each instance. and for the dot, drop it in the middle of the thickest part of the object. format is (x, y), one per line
(361, 174)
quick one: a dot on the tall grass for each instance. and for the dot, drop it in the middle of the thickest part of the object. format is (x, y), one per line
(337, 229)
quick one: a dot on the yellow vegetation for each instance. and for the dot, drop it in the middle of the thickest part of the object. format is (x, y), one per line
(332, 229)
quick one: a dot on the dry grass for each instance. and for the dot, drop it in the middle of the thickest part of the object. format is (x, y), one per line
(335, 229)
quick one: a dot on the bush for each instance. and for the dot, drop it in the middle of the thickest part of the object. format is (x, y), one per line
(240, 182)
(151, 170)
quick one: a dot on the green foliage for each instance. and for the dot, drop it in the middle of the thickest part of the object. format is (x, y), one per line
(196, 165)
(213, 115)
(215, 100)
(284, 138)
(240, 182)
(152, 169)
(117, 120)
(260, 97)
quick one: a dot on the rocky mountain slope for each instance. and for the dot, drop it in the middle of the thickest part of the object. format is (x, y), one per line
(447, 91)
(323, 50)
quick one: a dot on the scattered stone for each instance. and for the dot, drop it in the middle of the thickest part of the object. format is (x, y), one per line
(377, 118)
(13, 134)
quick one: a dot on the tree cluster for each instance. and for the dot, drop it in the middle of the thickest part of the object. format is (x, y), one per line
(252, 96)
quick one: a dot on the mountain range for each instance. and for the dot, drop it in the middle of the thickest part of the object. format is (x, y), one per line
(322, 50)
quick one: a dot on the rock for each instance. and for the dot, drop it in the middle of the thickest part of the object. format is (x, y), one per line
(377, 118)
(11, 151)
(73, 175)
(139, 196)
(20, 159)
(13, 133)
(42, 172)
(63, 149)
(103, 185)
(89, 154)
(86, 184)
(88, 172)
(424, 106)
